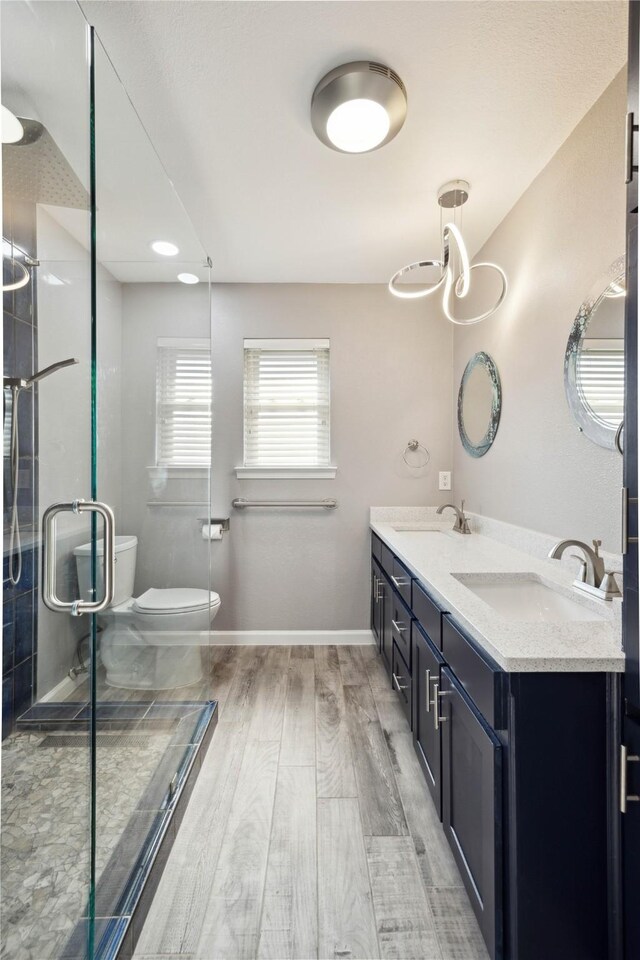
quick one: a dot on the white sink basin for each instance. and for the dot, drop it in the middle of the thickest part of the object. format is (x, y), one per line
(529, 600)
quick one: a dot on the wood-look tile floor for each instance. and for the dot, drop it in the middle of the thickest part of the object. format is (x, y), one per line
(310, 832)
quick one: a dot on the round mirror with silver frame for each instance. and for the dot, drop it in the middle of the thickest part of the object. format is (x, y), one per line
(594, 359)
(479, 404)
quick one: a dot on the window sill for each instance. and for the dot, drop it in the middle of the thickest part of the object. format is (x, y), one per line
(286, 473)
(174, 472)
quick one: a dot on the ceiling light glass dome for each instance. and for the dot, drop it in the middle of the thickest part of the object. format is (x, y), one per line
(358, 107)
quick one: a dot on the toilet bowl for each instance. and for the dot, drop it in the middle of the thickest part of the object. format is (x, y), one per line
(153, 641)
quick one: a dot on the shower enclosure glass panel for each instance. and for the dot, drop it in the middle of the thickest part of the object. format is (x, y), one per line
(46, 769)
(103, 714)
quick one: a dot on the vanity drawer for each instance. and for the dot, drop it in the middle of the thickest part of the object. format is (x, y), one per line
(427, 614)
(401, 679)
(376, 545)
(481, 678)
(401, 626)
(386, 559)
(401, 579)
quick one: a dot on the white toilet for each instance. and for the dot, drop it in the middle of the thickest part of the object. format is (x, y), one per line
(153, 641)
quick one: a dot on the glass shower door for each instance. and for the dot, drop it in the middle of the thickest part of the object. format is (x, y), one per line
(153, 433)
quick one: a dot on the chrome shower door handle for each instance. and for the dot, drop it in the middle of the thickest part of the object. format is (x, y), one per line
(49, 522)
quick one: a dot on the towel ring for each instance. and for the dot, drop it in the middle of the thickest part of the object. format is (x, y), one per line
(412, 446)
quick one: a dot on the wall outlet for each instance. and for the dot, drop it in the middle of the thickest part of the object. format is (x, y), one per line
(444, 480)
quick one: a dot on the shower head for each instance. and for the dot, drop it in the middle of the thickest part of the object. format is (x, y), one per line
(53, 368)
(22, 383)
(35, 170)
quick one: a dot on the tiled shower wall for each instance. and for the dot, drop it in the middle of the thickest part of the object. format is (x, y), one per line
(20, 602)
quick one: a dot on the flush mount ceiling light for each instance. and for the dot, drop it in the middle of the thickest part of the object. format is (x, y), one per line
(188, 278)
(454, 266)
(358, 107)
(164, 248)
(12, 129)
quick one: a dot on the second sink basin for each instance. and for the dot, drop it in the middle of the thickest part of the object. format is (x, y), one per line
(527, 599)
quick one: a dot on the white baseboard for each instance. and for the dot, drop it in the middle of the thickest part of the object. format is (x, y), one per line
(62, 690)
(293, 638)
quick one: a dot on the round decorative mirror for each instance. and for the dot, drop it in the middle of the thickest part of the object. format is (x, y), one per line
(479, 404)
(594, 359)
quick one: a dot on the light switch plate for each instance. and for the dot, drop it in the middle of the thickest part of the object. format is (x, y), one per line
(444, 480)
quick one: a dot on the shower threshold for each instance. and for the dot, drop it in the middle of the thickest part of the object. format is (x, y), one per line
(170, 738)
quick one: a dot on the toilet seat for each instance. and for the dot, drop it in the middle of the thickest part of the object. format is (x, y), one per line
(173, 600)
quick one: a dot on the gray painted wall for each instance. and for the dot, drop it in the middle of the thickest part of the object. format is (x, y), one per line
(561, 235)
(395, 369)
(390, 381)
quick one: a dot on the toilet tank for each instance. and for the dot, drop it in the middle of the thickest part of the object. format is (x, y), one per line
(126, 552)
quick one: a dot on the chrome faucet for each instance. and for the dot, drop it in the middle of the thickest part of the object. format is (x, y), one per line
(593, 578)
(462, 524)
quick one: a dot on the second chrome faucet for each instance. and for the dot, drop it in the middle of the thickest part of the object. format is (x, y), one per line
(593, 578)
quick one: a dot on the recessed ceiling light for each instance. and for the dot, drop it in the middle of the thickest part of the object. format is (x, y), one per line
(12, 129)
(358, 107)
(188, 278)
(164, 248)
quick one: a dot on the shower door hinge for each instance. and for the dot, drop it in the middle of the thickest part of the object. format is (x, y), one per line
(626, 539)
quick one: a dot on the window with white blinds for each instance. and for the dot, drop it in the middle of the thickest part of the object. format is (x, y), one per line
(600, 377)
(183, 402)
(286, 403)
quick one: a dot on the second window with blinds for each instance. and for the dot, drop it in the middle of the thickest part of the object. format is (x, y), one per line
(286, 409)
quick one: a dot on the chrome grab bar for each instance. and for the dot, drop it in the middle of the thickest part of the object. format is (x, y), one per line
(49, 521)
(240, 503)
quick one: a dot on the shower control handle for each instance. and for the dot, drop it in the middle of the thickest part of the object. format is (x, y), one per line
(49, 521)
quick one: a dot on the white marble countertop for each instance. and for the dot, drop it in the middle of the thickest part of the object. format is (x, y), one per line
(515, 645)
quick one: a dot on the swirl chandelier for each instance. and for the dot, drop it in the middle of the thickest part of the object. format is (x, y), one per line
(455, 268)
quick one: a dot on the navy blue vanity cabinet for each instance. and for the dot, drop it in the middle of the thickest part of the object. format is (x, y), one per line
(519, 767)
(472, 804)
(427, 662)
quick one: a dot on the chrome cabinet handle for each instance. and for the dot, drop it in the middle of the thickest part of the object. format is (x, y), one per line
(427, 674)
(49, 521)
(399, 582)
(398, 684)
(435, 703)
(625, 798)
(375, 588)
(399, 627)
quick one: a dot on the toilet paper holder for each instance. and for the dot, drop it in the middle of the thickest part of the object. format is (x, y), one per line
(222, 522)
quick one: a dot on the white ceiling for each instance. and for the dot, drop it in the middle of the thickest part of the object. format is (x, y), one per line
(223, 88)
